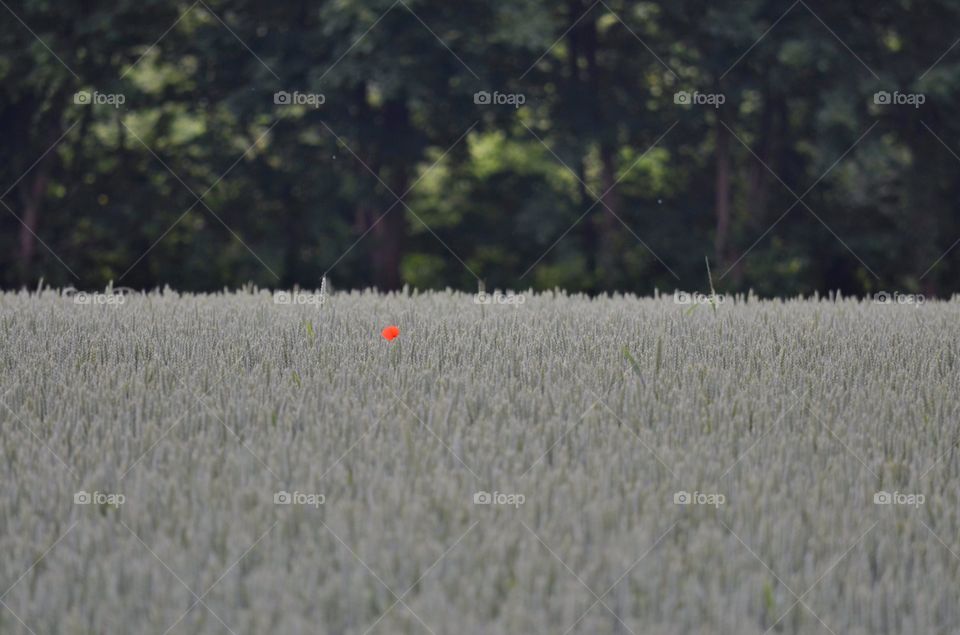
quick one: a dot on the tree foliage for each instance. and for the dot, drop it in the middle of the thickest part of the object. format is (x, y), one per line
(599, 181)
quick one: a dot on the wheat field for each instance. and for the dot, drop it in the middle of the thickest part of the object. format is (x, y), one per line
(247, 463)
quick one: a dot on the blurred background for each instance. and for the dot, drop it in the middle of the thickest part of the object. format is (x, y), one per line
(593, 146)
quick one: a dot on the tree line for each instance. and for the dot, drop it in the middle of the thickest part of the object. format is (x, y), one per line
(595, 146)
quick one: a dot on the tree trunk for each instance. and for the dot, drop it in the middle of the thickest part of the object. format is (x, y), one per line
(31, 196)
(772, 128)
(609, 225)
(390, 233)
(722, 191)
(388, 236)
(293, 228)
(923, 229)
(603, 135)
(575, 91)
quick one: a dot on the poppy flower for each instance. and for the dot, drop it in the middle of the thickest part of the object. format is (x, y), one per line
(390, 333)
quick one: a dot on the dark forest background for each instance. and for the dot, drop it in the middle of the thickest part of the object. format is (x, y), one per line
(802, 180)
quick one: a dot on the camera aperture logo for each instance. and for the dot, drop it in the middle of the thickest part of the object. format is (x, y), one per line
(296, 98)
(696, 98)
(498, 498)
(898, 498)
(699, 498)
(298, 498)
(496, 98)
(896, 98)
(98, 498)
(86, 98)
